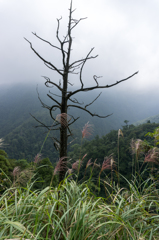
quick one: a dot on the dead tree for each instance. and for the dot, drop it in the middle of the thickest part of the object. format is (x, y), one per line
(67, 99)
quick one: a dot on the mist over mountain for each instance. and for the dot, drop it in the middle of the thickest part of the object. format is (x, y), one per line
(17, 125)
(152, 119)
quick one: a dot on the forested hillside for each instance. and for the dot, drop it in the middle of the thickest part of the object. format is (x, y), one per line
(24, 141)
(120, 148)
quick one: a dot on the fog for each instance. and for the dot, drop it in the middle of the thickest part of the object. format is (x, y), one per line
(124, 34)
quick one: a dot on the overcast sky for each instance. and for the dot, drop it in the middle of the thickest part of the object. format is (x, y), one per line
(125, 34)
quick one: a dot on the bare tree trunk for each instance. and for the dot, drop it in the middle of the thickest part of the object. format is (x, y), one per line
(75, 67)
(63, 131)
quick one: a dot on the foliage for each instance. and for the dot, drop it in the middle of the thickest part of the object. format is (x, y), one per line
(6, 168)
(69, 211)
(19, 172)
(22, 163)
(155, 135)
(44, 174)
(98, 148)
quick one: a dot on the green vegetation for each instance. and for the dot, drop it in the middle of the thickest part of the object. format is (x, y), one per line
(94, 201)
(126, 152)
(70, 211)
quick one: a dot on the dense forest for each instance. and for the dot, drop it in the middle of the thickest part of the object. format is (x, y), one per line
(118, 145)
(121, 148)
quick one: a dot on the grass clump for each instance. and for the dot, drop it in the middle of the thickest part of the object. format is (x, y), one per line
(69, 211)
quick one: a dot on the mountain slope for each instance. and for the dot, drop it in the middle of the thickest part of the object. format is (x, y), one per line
(25, 141)
(152, 119)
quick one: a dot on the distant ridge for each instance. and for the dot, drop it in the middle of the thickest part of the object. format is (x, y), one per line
(152, 119)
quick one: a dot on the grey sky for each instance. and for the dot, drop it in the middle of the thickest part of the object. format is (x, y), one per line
(124, 33)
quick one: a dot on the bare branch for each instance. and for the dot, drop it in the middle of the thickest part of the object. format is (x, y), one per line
(72, 72)
(57, 31)
(96, 87)
(68, 135)
(63, 55)
(76, 101)
(60, 83)
(61, 43)
(55, 139)
(95, 79)
(53, 83)
(76, 66)
(80, 62)
(93, 100)
(60, 70)
(56, 145)
(47, 42)
(54, 100)
(83, 66)
(86, 110)
(42, 124)
(47, 85)
(77, 22)
(49, 67)
(53, 108)
(71, 141)
(70, 83)
(69, 40)
(74, 120)
(43, 104)
(54, 94)
(46, 62)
